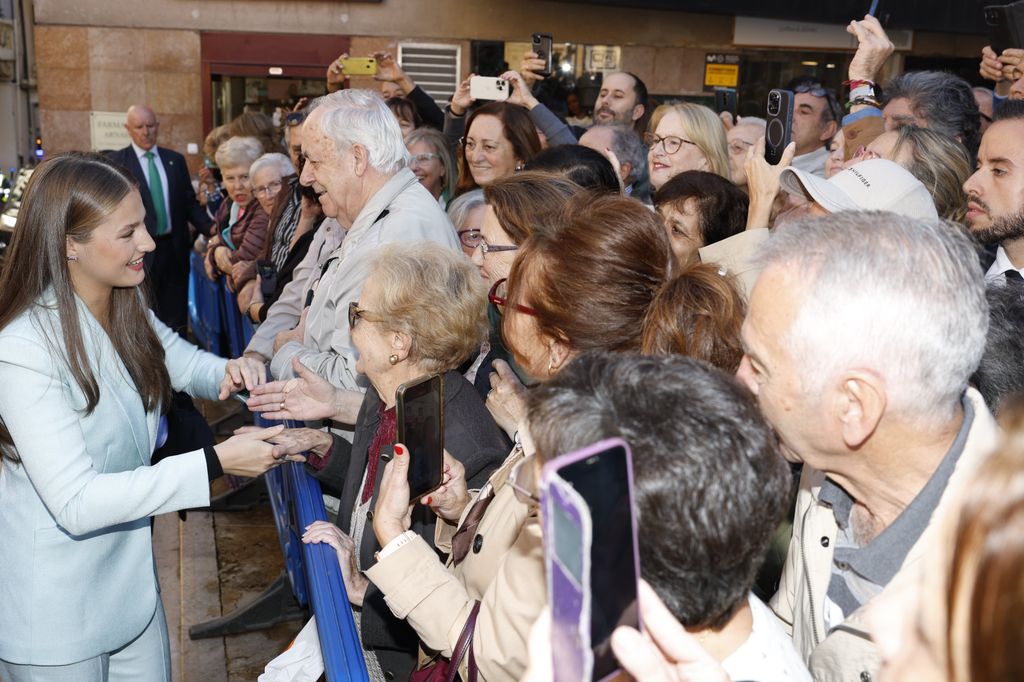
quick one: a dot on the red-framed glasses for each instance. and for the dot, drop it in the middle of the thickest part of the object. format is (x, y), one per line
(501, 301)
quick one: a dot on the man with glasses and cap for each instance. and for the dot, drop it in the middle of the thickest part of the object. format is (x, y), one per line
(816, 120)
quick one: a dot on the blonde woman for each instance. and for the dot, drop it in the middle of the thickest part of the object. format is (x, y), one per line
(685, 137)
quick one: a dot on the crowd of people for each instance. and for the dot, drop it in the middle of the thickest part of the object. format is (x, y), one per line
(821, 356)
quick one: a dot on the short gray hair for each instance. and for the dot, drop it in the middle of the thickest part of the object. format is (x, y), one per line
(752, 121)
(629, 148)
(276, 160)
(238, 151)
(413, 278)
(463, 205)
(945, 101)
(899, 296)
(350, 117)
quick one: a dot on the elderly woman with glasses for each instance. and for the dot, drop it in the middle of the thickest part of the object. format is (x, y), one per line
(421, 312)
(241, 225)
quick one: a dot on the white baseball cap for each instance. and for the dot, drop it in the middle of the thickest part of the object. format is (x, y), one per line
(873, 185)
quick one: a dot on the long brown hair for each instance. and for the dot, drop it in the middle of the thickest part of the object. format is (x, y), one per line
(591, 279)
(601, 278)
(67, 197)
(518, 129)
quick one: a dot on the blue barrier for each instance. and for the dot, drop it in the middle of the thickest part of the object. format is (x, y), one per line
(204, 306)
(313, 569)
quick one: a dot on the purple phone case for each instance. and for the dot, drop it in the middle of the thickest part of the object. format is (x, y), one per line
(565, 602)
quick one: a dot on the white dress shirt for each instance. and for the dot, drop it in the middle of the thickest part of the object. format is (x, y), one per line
(144, 162)
(1000, 265)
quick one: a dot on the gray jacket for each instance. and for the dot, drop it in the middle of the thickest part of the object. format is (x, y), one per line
(401, 211)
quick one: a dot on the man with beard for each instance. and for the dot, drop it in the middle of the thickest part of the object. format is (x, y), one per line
(995, 209)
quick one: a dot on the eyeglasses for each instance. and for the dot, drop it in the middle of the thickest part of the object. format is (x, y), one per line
(486, 248)
(355, 313)
(417, 159)
(670, 143)
(295, 118)
(270, 189)
(817, 91)
(470, 238)
(501, 301)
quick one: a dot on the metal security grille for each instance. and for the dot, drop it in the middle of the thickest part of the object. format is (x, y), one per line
(434, 67)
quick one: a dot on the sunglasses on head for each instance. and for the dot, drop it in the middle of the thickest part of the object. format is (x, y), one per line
(295, 118)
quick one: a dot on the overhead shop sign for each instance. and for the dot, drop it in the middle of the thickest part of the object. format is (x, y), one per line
(721, 70)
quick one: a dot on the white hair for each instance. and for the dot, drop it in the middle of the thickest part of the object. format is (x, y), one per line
(901, 297)
(752, 121)
(238, 151)
(351, 117)
(279, 162)
(463, 205)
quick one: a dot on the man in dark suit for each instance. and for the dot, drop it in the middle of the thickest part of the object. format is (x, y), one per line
(171, 205)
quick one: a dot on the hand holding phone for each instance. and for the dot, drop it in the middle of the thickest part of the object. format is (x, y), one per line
(420, 416)
(542, 45)
(592, 556)
(1005, 25)
(779, 131)
(359, 66)
(487, 87)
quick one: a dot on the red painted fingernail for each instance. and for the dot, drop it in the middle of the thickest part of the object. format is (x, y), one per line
(399, 450)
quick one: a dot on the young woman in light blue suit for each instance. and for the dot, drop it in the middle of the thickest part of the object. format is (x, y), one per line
(84, 371)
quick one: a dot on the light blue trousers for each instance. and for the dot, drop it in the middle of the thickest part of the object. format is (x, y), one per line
(147, 657)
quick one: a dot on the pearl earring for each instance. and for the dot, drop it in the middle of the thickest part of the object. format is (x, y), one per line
(393, 359)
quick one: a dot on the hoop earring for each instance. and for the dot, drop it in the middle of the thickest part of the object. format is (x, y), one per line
(393, 359)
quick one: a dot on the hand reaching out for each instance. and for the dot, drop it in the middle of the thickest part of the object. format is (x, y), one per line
(327, 533)
(873, 48)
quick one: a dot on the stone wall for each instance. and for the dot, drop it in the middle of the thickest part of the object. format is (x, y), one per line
(82, 69)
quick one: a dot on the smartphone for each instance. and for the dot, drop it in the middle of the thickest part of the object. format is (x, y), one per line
(542, 43)
(725, 100)
(420, 417)
(874, 8)
(268, 277)
(489, 87)
(779, 132)
(242, 396)
(359, 66)
(1005, 26)
(592, 556)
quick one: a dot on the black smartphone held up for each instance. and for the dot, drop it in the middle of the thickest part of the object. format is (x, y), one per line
(779, 132)
(725, 100)
(542, 44)
(1005, 25)
(420, 416)
(592, 556)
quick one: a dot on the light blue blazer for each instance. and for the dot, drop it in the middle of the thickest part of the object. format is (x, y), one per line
(77, 576)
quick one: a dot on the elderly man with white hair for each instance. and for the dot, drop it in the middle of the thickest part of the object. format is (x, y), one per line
(357, 163)
(862, 332)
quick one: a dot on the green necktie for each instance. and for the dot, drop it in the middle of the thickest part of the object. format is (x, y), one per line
(156, 191)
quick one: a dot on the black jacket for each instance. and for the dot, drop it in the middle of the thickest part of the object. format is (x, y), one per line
(472, 437)
(167, 266)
